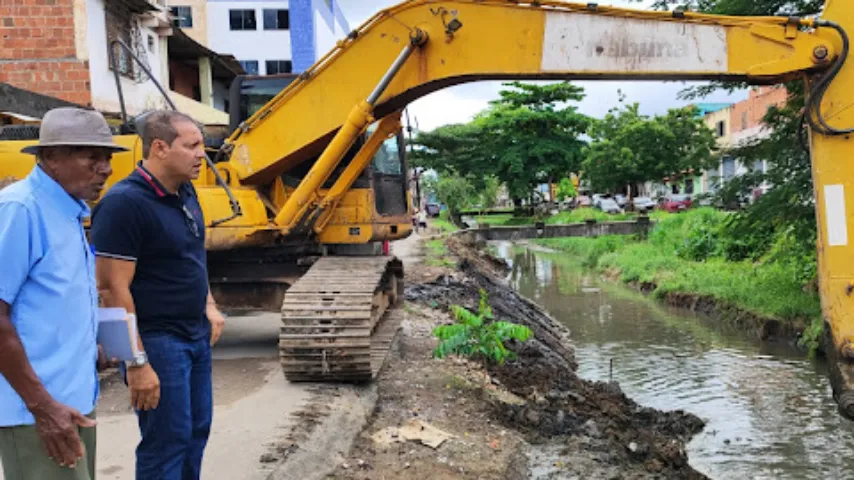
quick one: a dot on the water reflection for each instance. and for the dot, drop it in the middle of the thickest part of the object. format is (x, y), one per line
(769, 410)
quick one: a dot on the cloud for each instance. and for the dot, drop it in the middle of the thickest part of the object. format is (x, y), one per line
(460, 103)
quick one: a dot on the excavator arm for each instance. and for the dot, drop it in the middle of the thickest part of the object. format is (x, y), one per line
(408, 51)
(468, 40)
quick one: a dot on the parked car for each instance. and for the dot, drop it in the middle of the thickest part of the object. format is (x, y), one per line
(609, 205)
(676, 203)
(582, 201)
(432, 209)
(621, 199)
(643, 204)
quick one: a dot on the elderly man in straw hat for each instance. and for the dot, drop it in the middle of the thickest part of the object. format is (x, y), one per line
(48, 302)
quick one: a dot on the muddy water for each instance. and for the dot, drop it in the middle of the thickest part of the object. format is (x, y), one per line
(768, 409)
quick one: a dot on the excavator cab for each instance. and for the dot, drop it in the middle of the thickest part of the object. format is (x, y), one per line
(385, 177)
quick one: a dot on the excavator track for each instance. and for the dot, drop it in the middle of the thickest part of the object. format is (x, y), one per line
(340, 319)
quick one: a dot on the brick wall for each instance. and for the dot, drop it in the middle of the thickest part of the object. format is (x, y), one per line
(38, 52)
(748, 114)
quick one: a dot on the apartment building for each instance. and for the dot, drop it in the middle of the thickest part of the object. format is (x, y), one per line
(61, 49)
(266, 36)
(735, 124)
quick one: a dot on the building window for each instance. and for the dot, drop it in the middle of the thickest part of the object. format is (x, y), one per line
(119, 26)
(151, 43)
(276, 20)
(721, 128)
(242, 19)
(251, 66)
(744, 120)
(183, 17)
(278, 66)
(728, 167)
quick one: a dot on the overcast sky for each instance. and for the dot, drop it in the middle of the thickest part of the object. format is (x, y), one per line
(460, 103)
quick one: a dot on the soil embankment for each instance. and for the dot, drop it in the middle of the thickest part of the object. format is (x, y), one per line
(488, 420)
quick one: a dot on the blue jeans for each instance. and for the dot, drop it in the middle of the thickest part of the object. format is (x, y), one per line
(174, 434)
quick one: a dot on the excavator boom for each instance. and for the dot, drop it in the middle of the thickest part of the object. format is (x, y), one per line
(468, 40)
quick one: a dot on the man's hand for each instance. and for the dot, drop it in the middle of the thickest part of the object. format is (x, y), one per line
(56, 425)
(217, 322)
(103, 363)
(144, 387)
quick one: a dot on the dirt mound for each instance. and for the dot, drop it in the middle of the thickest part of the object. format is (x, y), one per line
(597, 416)
(592, 427)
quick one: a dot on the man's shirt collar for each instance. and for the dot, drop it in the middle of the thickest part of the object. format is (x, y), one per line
(152, 182)
(63, 200)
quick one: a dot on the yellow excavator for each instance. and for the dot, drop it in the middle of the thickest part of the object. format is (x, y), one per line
(314, 174)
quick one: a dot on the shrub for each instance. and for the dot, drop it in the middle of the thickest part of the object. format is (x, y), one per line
(478, 336)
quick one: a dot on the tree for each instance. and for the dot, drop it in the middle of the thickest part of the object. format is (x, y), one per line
(452, 149)
(528, 136)
(743, 7)
(566, 189)
(455, 191)
(628, 148)
(532, 135)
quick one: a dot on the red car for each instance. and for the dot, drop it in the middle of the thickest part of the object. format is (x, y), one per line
(676, 203)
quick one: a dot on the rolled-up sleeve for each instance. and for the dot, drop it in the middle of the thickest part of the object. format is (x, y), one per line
(116, 228)
(15, 249)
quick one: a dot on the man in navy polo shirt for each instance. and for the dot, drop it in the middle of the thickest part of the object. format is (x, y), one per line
(149, 236)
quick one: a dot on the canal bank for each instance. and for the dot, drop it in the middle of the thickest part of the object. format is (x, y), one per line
(767, 407)
(533, 417)
(766, 285)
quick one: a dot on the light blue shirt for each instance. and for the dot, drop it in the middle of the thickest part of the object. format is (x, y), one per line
(47, 275)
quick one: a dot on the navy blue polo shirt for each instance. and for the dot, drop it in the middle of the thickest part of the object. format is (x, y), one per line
(140, 221)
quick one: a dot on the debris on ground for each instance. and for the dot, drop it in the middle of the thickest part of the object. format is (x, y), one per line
(413, 430)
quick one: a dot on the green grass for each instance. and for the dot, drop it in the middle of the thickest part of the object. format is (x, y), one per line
(437, 254)
(493, 219)
(769, 288)
(587, 251)
(575, 216)
(443, 223)
(580, 215)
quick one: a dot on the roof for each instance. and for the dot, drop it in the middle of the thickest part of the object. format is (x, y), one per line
(20, 117)
(707, 108)
(182, 47)
(136, 6)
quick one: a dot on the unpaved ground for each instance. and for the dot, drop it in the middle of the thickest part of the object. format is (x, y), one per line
(532, 418)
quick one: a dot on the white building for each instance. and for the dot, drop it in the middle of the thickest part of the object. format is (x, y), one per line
(273, 36)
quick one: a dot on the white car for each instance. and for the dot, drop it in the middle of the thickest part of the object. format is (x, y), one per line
(609, 205)
(643, 204)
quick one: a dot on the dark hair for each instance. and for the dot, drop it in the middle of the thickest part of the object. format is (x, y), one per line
(160, 125)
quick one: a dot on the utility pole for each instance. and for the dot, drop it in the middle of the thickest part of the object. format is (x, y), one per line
(415, 170)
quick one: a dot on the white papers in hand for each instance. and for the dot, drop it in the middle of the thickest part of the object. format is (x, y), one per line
(117, 333)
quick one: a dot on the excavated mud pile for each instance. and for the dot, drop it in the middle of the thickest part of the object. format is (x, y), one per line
(560, 412)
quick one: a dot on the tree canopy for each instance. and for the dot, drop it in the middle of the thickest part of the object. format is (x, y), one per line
(628, 148)
(743, 7)
(530, 135)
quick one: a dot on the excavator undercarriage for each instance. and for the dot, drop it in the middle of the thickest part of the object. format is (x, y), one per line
(340, 318)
